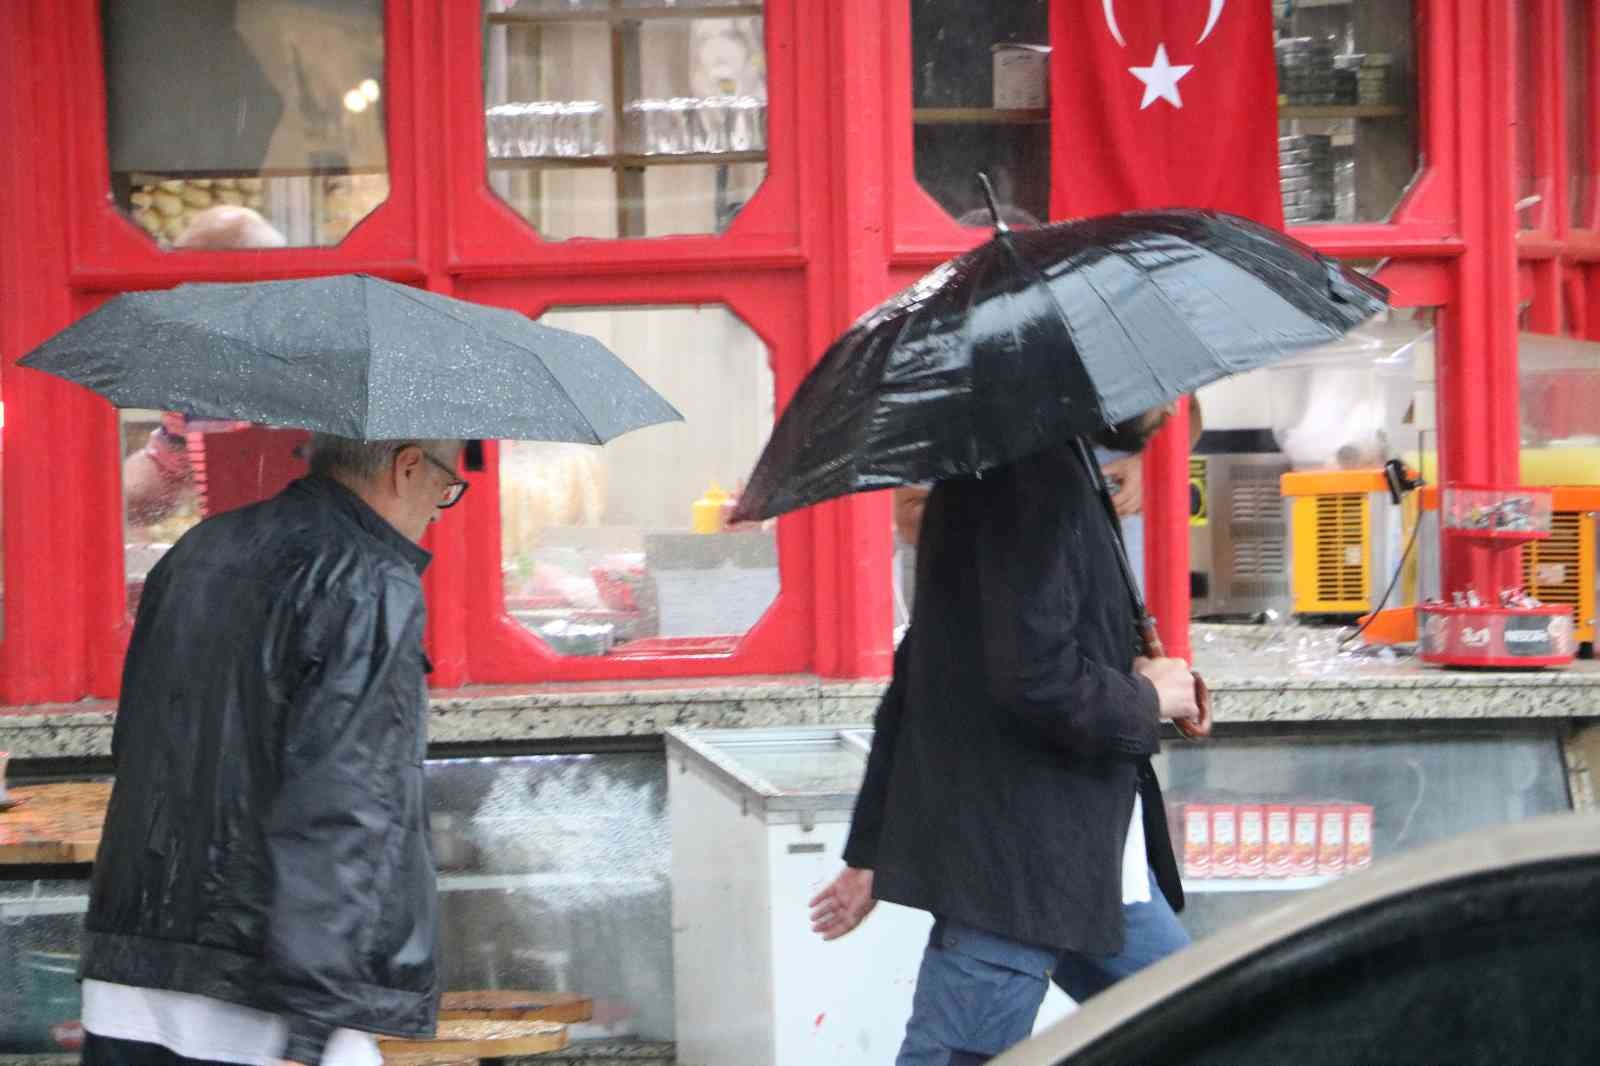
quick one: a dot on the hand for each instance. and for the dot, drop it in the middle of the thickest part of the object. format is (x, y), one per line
(1174, 686)
(843, 905)
(1129, 474)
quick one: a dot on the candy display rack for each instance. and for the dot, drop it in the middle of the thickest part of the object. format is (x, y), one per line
(1509, 630)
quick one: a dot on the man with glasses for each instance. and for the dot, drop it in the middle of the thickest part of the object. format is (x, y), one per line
(264, 889)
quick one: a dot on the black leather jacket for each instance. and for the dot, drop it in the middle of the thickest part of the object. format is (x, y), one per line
(266, 842)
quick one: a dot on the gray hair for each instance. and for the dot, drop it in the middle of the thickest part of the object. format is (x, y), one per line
(364, 460)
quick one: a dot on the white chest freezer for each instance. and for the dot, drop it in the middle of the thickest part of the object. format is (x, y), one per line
(758, 820)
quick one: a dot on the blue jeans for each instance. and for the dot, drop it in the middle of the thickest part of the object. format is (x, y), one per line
(978, 993)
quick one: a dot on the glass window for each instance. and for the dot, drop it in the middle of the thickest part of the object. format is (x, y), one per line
(1347, 147)
(268, 133)
(1252, 820)
(1532, 183)
(1580, 168)
(554, 874)
(176, 471)
(41, 923)
(980, 100)
(639, 118)
(1491, 968)
(624, 548)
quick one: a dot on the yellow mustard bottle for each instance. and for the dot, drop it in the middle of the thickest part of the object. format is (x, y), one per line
(707, 510)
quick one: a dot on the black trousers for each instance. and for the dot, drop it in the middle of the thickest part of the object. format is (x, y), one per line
(114, 1051)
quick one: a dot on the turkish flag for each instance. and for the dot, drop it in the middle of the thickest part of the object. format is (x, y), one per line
(1159, 103)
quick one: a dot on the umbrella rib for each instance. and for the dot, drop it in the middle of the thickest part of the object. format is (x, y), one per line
(448, 313)
(1117, 250)
(1061, 316)
(1224, 302)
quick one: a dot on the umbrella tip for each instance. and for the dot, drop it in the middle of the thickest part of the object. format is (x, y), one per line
(994, 208)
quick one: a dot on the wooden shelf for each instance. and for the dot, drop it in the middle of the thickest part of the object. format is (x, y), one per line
(979, 116)
(626, 14)
(1291, 111)
(627, 162)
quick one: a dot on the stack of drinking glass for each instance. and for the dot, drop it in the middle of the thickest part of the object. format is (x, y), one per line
(546, 129)
(684, 125)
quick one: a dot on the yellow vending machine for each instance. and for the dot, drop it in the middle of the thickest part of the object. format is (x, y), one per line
(1347, 542)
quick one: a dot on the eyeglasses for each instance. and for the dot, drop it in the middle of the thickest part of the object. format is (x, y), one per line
(453, 491)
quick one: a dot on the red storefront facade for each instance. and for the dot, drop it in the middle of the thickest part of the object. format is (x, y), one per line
(838, 222)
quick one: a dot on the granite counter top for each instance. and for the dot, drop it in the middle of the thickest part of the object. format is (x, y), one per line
(1278, 674)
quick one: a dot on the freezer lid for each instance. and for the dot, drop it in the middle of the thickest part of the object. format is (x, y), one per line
(798, 768)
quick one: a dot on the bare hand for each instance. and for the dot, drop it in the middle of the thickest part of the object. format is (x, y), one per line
(1174, 686)
(843, 905)
(1129, 475)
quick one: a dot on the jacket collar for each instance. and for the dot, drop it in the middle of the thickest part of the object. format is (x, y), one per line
(356, 509)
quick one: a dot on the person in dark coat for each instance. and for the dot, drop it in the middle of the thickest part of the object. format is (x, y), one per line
(264, 888)
(1009, 791)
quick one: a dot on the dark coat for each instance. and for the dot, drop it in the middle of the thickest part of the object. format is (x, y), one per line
(1014, 736)
(267, 842)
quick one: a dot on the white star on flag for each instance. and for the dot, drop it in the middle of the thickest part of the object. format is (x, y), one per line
(1160, 79)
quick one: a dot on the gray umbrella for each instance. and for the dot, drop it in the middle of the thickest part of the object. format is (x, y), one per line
(355, 356)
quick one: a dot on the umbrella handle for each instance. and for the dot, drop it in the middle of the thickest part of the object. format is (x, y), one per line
(1193, 728)
(1149, 639)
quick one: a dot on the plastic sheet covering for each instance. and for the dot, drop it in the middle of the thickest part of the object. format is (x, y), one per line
(1044, 334)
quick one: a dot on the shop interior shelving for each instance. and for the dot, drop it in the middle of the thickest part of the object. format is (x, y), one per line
(1254, 884)
(629, 167)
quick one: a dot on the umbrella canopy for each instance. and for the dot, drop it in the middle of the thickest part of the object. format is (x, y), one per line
(1045, 334)
(354, 356)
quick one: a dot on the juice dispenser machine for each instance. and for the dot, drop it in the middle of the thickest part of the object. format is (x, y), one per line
(1340, 413)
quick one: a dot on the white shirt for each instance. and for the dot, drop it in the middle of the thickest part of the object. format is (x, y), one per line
(1135, 866)
(199, 1027)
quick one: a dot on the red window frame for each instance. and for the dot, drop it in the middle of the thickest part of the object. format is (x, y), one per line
(839, 223)
(442, 227)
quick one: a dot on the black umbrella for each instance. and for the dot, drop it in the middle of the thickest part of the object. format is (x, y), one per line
(1042, 335)
(354, 356)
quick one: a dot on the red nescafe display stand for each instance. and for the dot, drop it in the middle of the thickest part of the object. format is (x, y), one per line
(1507, 630)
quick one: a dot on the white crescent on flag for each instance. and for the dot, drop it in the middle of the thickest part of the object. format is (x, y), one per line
(1110, 8)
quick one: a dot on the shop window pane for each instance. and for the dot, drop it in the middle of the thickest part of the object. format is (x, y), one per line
(1580, 180)
(41, 923)
(622, 549)
(639, 118)
(176, 471)
(1347, 144)
(268, 133)
(554, 875)
(1406, 792)
(1533, 185)
(980, 100)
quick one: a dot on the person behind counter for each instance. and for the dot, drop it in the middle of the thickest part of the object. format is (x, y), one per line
(242, 463)
(264, 889)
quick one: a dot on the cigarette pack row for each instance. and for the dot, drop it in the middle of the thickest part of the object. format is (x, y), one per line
(1272, 839)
